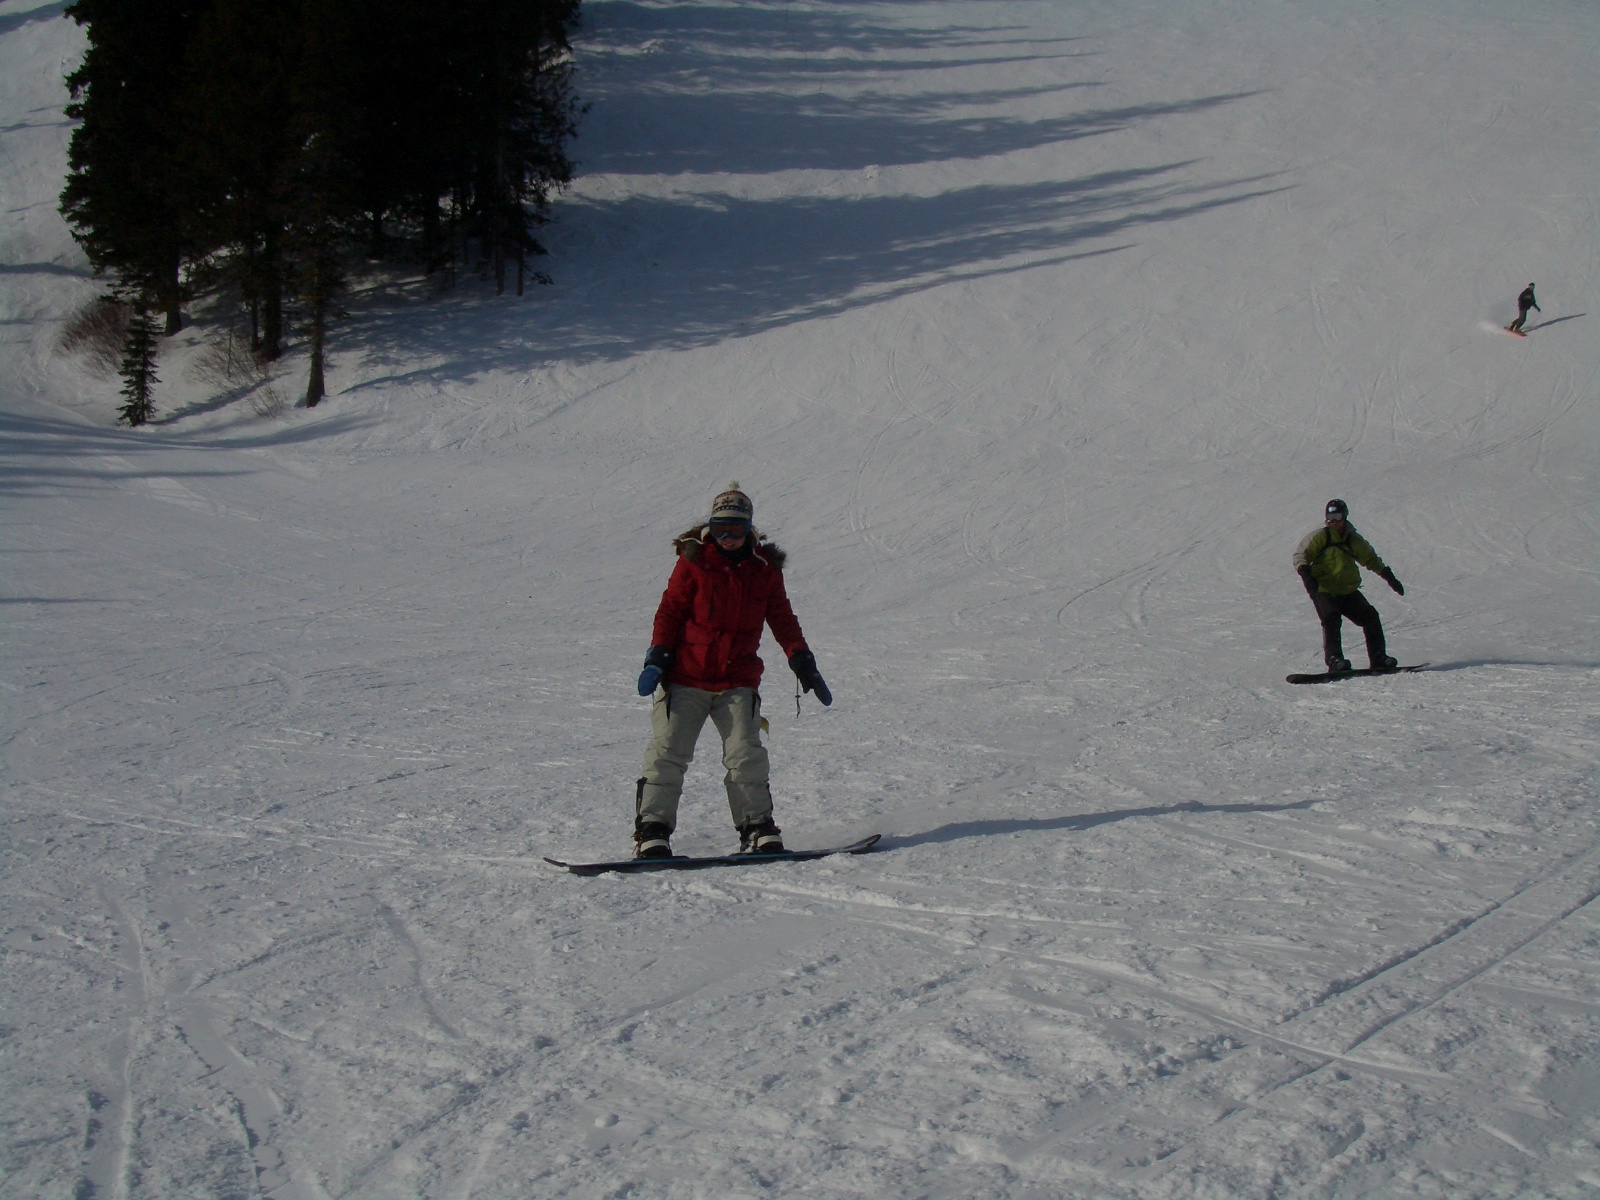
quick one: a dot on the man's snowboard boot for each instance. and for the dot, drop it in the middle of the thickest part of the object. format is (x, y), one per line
(761, 837)
(651, 840)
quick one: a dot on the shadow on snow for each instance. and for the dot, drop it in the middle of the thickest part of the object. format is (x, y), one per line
(777, 263)
(999, 828)
(39, 453)
(1552, 321)
(698, 267)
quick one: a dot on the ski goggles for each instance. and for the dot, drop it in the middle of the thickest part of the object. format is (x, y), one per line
(729, 529)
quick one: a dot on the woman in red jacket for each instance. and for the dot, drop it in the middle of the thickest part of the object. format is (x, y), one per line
(726, 586)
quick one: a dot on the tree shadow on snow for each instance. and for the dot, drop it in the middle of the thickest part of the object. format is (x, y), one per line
(45, 455)
(42, 268)
(778, 38)
(47, 12)
(999, 828)
(704, 264)
(728, 267)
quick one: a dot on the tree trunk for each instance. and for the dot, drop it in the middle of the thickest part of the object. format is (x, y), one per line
(171, 292)
(499, 224)
(325, 282)
(271, 277)
(432, 237)
(315, 387)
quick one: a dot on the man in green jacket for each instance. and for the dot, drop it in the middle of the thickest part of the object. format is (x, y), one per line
(1326, 563)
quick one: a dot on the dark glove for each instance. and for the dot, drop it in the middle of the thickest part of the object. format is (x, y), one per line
(656, 663)
(804, 664)
(1310, 580)
(1388, 577)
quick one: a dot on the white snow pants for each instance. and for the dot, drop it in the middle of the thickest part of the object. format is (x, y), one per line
(675, 723)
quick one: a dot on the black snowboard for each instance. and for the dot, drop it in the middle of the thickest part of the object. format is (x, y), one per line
(683, 862)
(1326, 678)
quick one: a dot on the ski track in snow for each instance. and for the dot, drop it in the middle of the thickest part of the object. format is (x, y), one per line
(1040, 334)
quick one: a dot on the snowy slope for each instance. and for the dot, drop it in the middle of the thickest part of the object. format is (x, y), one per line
(1039, 332)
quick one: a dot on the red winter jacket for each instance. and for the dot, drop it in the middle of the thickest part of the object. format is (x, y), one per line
(713, 610)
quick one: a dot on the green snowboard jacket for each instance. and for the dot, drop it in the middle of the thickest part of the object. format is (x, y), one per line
(1333, 559)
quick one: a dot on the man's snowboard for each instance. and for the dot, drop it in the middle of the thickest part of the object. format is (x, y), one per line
(1327, 678)
(683, 862)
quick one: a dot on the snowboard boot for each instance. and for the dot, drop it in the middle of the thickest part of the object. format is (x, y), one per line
(761, 837)
(1384, 663)
(1339, 666)
(651, 840)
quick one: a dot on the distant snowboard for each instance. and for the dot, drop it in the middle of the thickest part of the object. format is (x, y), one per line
(1491, 327)
(1327, 678)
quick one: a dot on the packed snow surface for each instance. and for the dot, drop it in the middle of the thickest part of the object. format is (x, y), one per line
(1039, 333)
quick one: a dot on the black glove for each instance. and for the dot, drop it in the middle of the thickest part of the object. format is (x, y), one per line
(656, 663)
(1388, 577)
(804, 664)
(1310, 580)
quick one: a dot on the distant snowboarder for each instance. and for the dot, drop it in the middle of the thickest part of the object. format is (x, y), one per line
(726, 586)
(1326, 563)
(1524, 303)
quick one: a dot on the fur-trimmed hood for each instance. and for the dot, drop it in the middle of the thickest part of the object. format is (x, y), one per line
(689, 543)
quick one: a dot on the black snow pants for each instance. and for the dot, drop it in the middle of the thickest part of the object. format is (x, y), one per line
(1330, 609)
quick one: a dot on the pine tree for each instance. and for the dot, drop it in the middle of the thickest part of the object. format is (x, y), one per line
(331, 124)
(237, 147)
(138, 368)
(317, 233)
(260, 145)
(125, 194)
(522, 112)
(391, 96)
